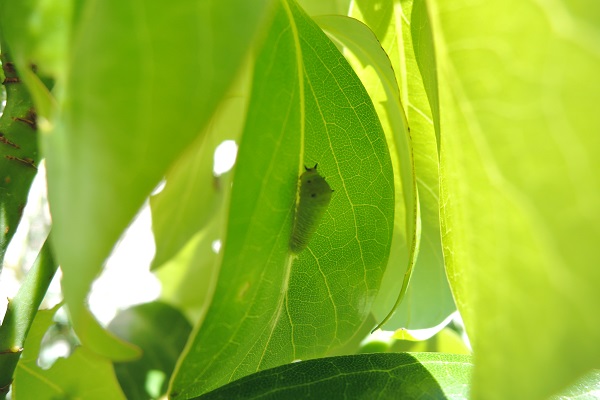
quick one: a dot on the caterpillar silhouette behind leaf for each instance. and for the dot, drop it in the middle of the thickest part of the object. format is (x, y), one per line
(315, 194)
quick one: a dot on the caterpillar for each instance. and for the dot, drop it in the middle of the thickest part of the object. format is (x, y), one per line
(315, 195)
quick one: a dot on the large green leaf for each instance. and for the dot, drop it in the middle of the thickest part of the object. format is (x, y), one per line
(519, 86)
(143, 81)
(381, 376)
(428, 301)
(83, 375)
(270, 306)
(366, 376)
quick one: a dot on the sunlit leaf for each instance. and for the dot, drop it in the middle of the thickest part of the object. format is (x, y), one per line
(143, 81)
(270, 306)
(403, 32)
(520, 199)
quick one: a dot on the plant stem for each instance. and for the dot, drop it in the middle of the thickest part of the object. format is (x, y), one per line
(20, 314)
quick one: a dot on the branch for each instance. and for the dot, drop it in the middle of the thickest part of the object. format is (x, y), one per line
(21, 312)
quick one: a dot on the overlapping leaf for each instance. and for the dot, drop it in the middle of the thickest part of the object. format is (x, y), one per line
(403, 31)
(519, 137)
(271, 307)
(143, 81)
(367, 376)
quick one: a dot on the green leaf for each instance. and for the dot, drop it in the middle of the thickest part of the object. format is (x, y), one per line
(187, 202)
(366, 376)
(520, 189)
(448, 341)
(143, 81)
(271, 307)
(374, 68)
(188, 279)
(161, 332)
(193, 194)
(320, 7)
(428, 301)
(421, 38)
(83, 375)
(36, 32)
